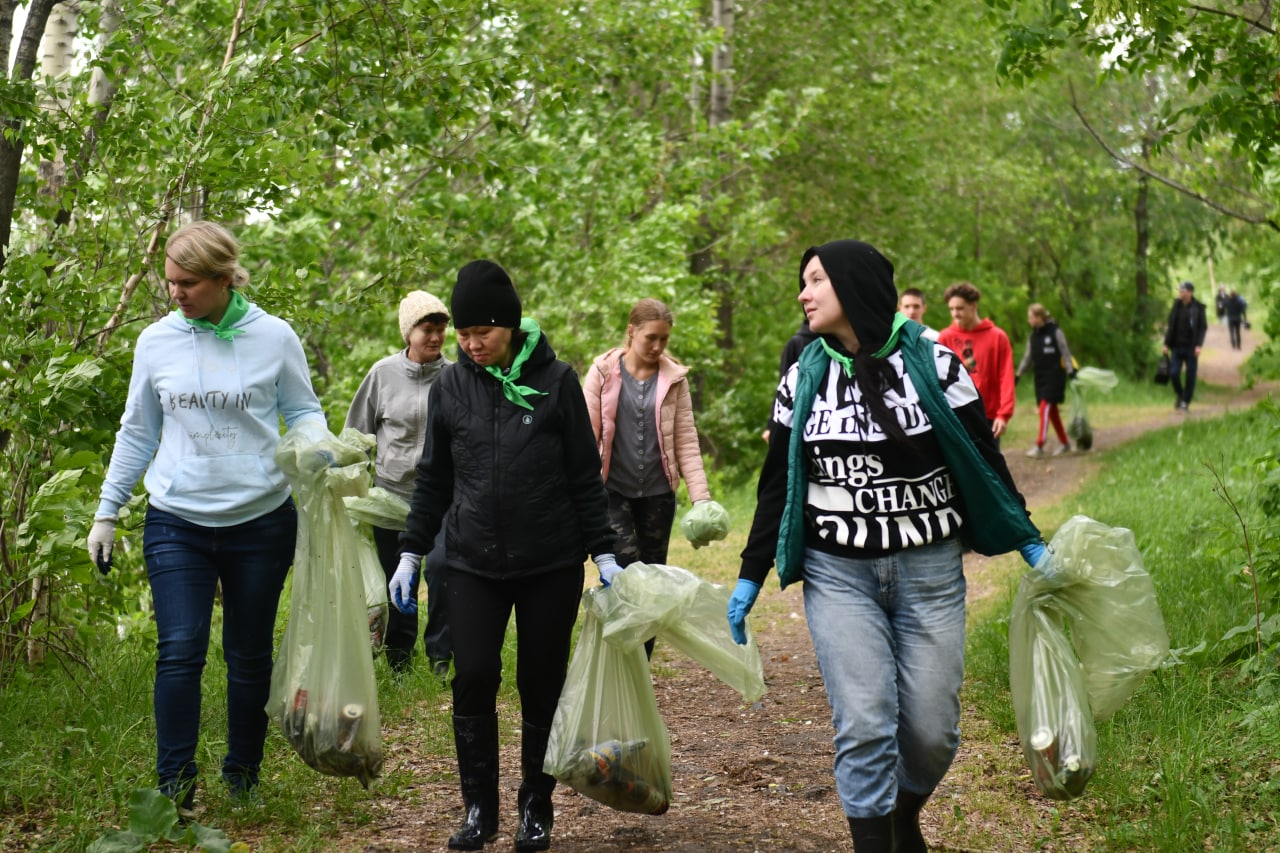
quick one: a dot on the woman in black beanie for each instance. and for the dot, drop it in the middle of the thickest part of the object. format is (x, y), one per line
(509, 467)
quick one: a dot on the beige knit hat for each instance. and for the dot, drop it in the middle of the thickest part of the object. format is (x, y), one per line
(417, 306)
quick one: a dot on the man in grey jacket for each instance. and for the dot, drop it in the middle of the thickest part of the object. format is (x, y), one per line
(391, 405)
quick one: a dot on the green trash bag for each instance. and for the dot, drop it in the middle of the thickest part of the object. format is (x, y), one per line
(378, 507)
(381, 509)
(323, 695)
(704, 523)
(688, 614)
(1085, 630)
(608, 741)
(1078, 428)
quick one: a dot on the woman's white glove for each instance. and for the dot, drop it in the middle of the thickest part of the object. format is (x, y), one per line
(102, 540)
(608, 568)
(404, 584)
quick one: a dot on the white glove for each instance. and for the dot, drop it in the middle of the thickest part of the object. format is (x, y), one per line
(404, 584)
(608, 568)
(102, 539)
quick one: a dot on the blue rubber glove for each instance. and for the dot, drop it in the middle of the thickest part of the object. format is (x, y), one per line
(608, 568)
(1033, 553)
(740, 604)
(404, 584)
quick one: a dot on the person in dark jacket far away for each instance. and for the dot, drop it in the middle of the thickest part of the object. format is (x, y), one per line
(510, 468)
(1183, 339)
(880, 463)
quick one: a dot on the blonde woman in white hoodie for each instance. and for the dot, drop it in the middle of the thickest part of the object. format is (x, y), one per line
(211, 382)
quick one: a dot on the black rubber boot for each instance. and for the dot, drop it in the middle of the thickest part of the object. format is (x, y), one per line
(476, 739)
(536, 812)
(907, 837)
(872, 834)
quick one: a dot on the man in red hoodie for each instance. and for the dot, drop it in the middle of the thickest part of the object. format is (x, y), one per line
(985, 350)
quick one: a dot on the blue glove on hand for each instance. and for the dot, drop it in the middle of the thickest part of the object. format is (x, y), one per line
(1033, 553)
(404, 584)
(740, 604)
(608, 568)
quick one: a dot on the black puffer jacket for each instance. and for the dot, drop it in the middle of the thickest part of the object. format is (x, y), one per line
(519, 491)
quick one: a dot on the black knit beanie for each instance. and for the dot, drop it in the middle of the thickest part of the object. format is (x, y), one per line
(484, 296)
(863, 282)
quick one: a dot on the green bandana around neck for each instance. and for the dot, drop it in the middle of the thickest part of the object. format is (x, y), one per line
(236, 309)
(846, 362)
(512, 391)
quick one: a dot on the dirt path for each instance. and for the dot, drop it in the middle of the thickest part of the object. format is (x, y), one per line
(758, 778)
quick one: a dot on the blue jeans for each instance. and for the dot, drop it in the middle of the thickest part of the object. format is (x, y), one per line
(889, 634)
(185, 564)
(1178, 356)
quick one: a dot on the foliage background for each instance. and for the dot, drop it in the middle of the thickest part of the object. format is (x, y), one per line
(601, 150)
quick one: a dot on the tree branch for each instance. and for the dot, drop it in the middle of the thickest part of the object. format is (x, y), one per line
(1254, 22)
(1252, 219)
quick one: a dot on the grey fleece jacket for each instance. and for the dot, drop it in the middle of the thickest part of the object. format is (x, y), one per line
(391, 405)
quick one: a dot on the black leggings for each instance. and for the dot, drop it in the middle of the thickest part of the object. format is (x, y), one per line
(546, 607)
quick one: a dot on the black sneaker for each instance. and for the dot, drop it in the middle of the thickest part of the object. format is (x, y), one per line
(183, 795)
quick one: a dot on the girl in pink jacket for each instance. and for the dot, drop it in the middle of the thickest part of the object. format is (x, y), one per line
(642, 414)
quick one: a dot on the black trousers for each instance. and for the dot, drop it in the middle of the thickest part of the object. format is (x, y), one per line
(546, 607)
(402, 629)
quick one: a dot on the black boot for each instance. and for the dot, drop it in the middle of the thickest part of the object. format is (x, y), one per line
(907, 837)
(872, 834)
(476, 739)
(536, 813)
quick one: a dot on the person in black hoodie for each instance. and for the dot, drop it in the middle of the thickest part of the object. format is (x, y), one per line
(510, 467)
(882, 461)
(1183, 338)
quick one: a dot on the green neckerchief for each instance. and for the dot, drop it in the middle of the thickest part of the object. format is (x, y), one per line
(847, 361)
(236, 309)
(513, 392)
(995, 522)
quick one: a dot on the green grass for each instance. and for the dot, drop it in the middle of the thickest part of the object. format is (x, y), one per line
(1190, 762)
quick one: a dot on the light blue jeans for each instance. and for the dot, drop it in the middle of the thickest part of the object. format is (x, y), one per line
(889, 635)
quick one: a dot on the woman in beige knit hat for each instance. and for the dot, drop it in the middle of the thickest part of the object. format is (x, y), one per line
(391, 405)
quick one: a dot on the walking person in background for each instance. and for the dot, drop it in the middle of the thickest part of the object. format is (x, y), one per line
(873, 425)
(911, 303)
(1183, 339)
(642, 416)
(391, 405)
(985, 350)
(1050, 357)
(1220, 304)
(510, 468)
(211, 382)
(1235, 308)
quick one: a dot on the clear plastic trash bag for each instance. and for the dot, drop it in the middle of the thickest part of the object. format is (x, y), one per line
(608, 741)
(323, 694)
(704, 523)
(378, 507)
(1085, 630)
(688, 614)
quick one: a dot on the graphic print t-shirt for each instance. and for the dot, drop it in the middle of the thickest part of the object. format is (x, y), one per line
(869, 495)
